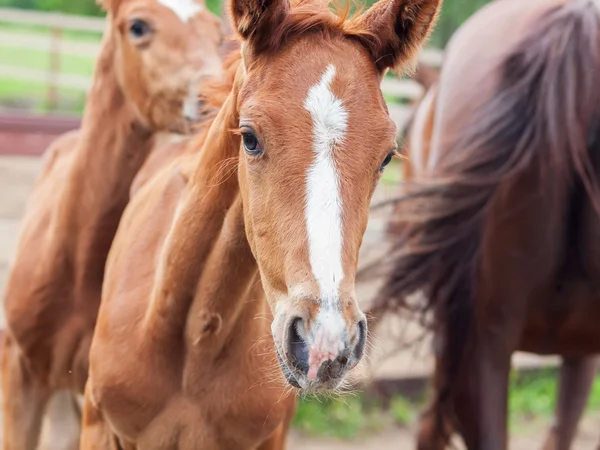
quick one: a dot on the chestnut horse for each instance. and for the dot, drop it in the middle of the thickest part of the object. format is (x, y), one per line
(500, 223)
(152, 55)
(264, 220)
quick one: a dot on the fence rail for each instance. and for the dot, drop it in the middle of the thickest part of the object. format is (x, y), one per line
(57, 45)
(52, 20)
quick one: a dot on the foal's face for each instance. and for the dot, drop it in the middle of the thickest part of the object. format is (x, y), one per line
(316, 137)
(164, 47)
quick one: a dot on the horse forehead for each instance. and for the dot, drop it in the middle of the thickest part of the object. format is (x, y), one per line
(184, 9)
(327, 110)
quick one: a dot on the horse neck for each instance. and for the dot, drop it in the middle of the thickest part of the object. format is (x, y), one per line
(228, 297)
(110, 150)
(206, 267)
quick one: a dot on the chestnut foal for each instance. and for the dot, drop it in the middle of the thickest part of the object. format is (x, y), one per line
(186, 354)
(153, 54)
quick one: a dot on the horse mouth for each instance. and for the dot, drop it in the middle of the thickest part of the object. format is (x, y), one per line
(287, 373)
(299, 380)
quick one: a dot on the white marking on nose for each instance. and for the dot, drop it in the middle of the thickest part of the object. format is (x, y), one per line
(184, 9)
(324, 221)
(323, 202)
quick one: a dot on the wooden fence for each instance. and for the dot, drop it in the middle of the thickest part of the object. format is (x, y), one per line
(58, 45)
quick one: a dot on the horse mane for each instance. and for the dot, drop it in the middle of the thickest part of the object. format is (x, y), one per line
(544, 116)
(214, 91)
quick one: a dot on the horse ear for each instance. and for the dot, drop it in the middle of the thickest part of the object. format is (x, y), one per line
(255, 20)
(108, 5)
(396, 29)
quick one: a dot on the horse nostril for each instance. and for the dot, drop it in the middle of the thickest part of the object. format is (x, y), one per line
(297, 346)
(361, 339)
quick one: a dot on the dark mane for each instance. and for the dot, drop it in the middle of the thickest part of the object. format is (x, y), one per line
(543, 117)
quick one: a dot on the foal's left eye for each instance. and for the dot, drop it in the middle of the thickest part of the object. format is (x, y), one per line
(251, 144)
(387, 159)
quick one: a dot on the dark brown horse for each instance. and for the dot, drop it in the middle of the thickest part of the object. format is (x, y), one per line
(499, 229)
(576, 374)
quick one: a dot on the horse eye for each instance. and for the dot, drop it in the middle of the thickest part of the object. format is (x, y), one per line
(387, 159)
(138, 28)
(251, 144)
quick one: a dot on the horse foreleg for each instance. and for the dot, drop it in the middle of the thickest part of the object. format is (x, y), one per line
(480, 402)
(435, 430)
(431, 434)
(24, 400)
(95, 432)
(575, 383)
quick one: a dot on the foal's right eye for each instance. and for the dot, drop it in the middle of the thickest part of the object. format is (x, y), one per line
(139, 29)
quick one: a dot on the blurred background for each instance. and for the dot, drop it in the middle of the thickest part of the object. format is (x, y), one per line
(48, 47)
(47, 54)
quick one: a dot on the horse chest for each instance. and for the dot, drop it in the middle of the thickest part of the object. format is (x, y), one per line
(222, 421)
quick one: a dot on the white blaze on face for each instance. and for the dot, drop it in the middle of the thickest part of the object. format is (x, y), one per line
(184, 9)
(324, 218)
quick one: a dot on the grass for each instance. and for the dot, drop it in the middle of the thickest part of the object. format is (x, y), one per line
(532, 398)
(40, 60)
(32, 95)
(344, 418)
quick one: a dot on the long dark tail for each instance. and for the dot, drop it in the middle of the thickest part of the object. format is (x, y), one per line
(545, 116)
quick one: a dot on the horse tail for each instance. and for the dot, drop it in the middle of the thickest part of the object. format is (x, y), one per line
(544, 116)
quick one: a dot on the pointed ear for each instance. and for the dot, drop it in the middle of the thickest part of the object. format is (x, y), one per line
(108, 5)
(255, 20)
(396, 29)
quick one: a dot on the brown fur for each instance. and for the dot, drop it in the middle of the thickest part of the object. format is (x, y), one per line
(210, 242)
(53, 291)
(499, 233)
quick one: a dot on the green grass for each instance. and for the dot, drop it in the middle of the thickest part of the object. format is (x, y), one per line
(532, 398)
(344, 418)
(33, 95)
(40, 60)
